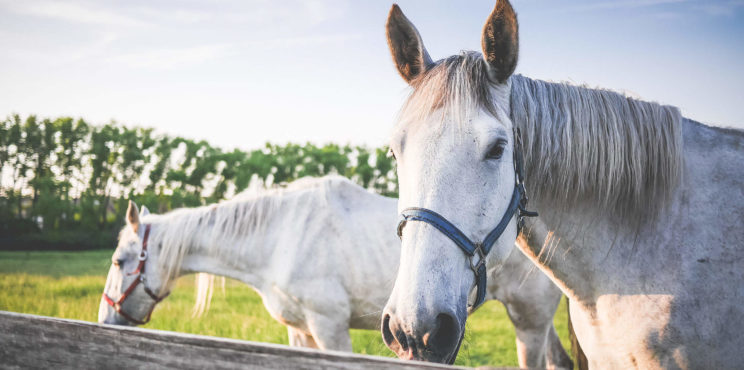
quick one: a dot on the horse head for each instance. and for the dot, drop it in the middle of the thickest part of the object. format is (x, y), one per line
(134, 285)
(455, 151)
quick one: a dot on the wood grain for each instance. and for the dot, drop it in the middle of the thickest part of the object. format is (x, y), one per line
(30, 341)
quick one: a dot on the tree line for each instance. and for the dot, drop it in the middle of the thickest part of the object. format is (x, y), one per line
(66, 182)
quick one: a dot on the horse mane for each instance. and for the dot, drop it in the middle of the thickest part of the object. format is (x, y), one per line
(581, 146)
(228, 222)
(598, 146)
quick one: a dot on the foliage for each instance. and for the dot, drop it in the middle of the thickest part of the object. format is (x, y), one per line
(68, 175)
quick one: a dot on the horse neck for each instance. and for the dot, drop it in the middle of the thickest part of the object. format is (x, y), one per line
(595, 162)
(574, 251)
(240, 248)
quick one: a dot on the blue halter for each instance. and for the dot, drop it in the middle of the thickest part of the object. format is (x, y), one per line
(518, 205)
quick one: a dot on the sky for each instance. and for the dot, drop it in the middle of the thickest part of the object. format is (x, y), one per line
(241, 73)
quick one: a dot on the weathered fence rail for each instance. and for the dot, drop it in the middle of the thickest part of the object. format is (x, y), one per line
(29, 341)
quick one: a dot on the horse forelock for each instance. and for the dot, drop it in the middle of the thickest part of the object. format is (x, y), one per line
(582, 146)
(455, 88)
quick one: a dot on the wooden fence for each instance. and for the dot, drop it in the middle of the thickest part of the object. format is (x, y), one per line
(29, 341)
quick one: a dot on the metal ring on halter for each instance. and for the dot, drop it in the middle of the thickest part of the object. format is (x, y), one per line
(143, 255)
(481, 258)
(401, 224)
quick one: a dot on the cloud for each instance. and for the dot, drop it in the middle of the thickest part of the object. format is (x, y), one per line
(289, 13)
(726, 8)
(27, 50)
(71, 12)
(668, 15)
(171, 58)
(681, 9)
(304, 41)
(628, 4)
(165, 59)
(172, 40)
(257, 13)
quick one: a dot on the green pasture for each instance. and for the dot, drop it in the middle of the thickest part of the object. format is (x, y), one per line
(69, 285)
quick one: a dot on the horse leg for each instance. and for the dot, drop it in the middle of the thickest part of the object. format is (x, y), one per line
(298, 338)
(531, 344)
(557, 358)
(541, 348)
(532, 316)
(538, 345)
(531, 300)
(330, 333)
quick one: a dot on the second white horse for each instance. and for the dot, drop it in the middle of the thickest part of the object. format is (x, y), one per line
(323, 255)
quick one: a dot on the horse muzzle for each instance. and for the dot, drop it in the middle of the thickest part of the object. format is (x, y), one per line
(432, 338)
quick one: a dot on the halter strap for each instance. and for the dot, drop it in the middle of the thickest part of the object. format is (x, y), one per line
(140, 272)
(518, 205)
(470, 248)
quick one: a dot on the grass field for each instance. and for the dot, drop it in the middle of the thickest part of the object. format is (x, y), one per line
(69, 285)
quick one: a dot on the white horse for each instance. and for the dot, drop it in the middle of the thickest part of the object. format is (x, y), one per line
(321, 253)
(641, 211)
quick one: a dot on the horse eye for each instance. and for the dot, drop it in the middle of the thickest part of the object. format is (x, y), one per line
(497, 150)
(118, 262)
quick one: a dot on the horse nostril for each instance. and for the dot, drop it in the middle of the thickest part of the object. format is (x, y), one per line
(393, 337)
(387, 335)
(445, 336)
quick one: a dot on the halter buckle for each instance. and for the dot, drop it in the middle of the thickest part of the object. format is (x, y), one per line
(143, 255)
(481, 258)
(522, 209)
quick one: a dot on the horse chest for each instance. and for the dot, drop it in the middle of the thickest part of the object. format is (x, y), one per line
(629, 331)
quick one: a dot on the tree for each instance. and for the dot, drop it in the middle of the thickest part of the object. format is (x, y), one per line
(17, 164)
(79, 177)
(102, 157)
(387, 177)
(71, 138)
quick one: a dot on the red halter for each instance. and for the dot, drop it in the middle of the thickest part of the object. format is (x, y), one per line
(140, 272)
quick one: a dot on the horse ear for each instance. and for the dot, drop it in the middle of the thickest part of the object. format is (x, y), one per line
(500, 42)
(144, 212)
(133, 216)
(409, 54)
